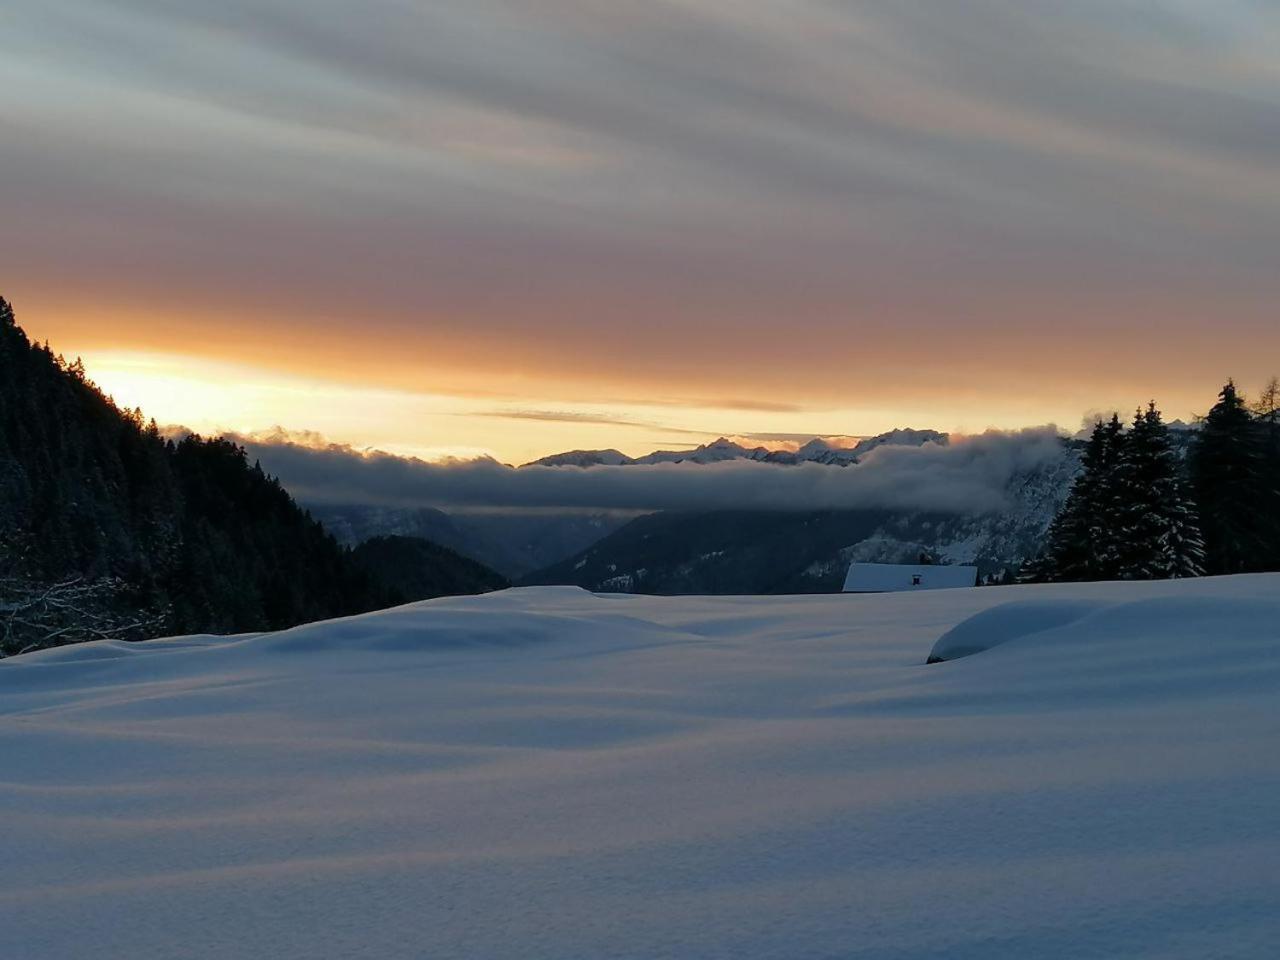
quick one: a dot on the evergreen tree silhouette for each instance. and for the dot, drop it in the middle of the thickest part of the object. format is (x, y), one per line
(1233, 487)
(1266, 410)
(1158, 534)
(1082, 541)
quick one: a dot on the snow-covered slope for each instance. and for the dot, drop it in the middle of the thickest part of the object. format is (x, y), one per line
(548, 773)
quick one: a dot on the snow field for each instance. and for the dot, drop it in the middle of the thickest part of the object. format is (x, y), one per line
(548, 773)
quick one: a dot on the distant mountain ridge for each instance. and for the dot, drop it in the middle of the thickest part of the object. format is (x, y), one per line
(660, 552)
(517, 544)
(511, 542)
(816, 450)
(412, 568)
(808, 551)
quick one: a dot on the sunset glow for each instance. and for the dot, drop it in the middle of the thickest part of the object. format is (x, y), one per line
(836, 220)
(214, 397)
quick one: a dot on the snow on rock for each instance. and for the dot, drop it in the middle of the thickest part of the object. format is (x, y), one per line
(547, 773)
(900, 437)
(817, 450)
(583, 458)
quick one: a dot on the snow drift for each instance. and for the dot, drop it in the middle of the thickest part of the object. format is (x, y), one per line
(1009, 621)
(550, 773)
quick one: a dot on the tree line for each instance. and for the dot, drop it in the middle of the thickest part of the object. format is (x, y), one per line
(1145, 508)
(111, 530)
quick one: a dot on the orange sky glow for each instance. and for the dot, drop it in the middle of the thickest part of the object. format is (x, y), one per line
(482, 409)
(512, 229)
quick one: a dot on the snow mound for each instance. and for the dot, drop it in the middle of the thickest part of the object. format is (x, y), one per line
(1009, 621)
(405, 629)
(1170, 627)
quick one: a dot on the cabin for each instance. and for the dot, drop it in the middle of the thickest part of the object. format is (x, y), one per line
(894, 577)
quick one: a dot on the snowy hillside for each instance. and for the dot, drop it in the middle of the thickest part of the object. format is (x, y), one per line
(548, 773)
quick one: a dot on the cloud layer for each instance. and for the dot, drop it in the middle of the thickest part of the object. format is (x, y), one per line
(852, 202)
(971, 475)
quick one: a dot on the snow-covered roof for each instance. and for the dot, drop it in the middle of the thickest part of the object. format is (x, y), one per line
(887, 577)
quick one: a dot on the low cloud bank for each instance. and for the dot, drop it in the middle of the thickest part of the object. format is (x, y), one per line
(971, 475)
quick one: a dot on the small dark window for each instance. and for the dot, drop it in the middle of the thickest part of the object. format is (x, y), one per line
(915, 579)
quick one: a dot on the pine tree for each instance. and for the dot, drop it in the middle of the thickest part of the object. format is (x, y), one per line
(1156, 522)
(1081, 543)
(1102, 542)
(1267, 407)
(1266, 412)
(1233, 490)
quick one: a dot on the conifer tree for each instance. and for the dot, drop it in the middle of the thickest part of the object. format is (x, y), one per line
(1102, 536)
(1266, 412)
(1081, 542)
(1156, 522)
(1233, 490)
(1267, 407)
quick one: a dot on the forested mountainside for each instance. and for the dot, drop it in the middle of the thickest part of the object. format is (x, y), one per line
(754, 551)
(716, 552)
(512, 542)
(107, 529)
(416, 568)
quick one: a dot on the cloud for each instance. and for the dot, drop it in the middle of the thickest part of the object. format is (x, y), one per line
(572, 416)
(968, 476)
(835, 440)
(829, 201)
(753, 406)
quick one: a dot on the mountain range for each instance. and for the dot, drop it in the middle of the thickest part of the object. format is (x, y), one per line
(816, 450)
(522, 543)
(730, 551)
(808, 551)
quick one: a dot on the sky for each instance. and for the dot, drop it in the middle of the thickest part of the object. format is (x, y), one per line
(512, 228)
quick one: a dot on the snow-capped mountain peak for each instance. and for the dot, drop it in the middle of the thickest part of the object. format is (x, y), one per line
(583, 458)
(816, 450)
